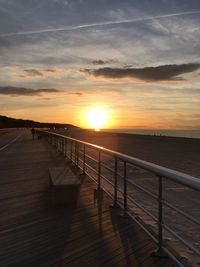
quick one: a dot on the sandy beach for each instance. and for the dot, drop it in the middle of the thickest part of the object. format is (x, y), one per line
(177, 153)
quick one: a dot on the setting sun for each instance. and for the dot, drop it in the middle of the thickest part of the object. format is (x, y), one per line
(97, 118)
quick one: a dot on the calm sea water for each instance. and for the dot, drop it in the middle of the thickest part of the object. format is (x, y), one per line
(175, 133)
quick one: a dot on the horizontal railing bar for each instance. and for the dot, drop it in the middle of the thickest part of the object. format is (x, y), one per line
(92, 169)
(142, 189)
(181, 239)
(172, 257)
(91, 158)
(120, 176)
(142, 226)
(108, 181)
(139, 206)
(120, 191)
(91, 177)
(155, 239)
(181, 178)
(187, 216)
(106, 167)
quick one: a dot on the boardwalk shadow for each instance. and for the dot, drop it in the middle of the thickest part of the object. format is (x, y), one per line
(138, 248)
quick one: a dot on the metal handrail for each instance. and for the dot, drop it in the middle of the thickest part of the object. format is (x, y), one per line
(77, 154)
(178, 177)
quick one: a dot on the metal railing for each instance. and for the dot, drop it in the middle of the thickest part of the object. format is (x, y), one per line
(122, 177)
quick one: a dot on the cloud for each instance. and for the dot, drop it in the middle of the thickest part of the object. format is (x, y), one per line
(102, 62)
(77, 93)
(33, 72)
(159, 73)
(50, 70)
(99, 24)
(20, 91)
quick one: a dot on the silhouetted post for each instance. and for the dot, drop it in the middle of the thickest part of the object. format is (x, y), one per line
(115, 183)
(99, 171)
(71, 151)
(84, 159)
(125, 190)
(66, 144)
(63, 145)
(33, 133)
(160, 213)
(77, 154)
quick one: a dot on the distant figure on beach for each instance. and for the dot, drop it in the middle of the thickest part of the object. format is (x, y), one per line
(33, 133)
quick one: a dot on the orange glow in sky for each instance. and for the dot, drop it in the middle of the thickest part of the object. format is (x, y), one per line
(80, 68)
(97, 118)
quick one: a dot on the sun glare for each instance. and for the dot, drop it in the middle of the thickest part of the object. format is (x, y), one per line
(97, 118)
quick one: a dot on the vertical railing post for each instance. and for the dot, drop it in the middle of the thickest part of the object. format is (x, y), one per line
(99, 171)
(84, 159)
(77, 154)
(66, 143)
(125, 190)
(115, 182)
(160, 213)
(63, 145)
(71, 150)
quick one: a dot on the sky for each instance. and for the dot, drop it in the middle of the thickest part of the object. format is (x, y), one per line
(138, 60)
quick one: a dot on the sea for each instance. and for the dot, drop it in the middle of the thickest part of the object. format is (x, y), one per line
(173, 133)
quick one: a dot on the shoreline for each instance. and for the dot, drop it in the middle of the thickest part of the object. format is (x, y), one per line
(156, 132)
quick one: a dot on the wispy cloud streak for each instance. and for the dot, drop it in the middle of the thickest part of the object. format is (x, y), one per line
(108, 23)
(20, 91)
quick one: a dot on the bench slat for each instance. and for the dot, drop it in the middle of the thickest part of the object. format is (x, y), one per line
(63, 176)
(64, 185)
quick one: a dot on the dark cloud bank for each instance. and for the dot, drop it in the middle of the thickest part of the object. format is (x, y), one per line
(160, 73)
(33, 72)
(20, 91)
(102, 62)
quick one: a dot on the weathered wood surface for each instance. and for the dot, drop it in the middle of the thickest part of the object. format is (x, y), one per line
(34, 234)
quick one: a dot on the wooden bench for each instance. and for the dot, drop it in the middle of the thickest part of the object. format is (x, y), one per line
(64, 185)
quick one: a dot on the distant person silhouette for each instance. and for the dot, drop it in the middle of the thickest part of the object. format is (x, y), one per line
(33, 133)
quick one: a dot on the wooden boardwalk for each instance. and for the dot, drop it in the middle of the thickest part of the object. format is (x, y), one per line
(33, 233)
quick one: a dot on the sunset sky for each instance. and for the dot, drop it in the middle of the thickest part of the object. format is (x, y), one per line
(139, 60)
